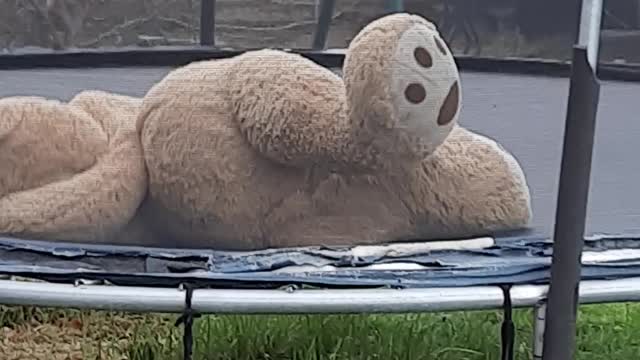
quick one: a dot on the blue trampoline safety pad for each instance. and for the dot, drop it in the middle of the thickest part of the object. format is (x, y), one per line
(513, 259)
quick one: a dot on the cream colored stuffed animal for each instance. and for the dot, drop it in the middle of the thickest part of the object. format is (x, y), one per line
(70, 171)
(268, 149)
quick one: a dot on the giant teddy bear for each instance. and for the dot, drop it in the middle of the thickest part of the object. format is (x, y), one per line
(266, 150)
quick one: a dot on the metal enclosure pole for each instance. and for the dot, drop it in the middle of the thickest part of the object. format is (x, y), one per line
(323, 23)
(573, 191)
(589, 30)
(208, 22)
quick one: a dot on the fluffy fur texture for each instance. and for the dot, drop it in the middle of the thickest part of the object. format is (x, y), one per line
(70, 171)
(268, 149)
(263, 150)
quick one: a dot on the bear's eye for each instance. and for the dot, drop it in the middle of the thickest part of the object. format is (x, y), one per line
(423, 57)
(440, 45)
(415, 93)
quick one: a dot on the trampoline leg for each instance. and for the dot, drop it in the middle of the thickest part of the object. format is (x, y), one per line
(539, 317)
(187, 318)
(508, 329)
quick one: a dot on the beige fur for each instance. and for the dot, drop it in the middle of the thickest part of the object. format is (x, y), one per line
(268, 149)
(69, 171)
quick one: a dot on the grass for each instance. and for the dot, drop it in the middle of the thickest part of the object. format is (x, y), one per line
(605, 332)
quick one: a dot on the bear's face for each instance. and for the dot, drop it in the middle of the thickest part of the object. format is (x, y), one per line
(403, 86)
(424, 87)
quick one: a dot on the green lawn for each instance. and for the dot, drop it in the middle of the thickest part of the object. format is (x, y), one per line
(605, 332)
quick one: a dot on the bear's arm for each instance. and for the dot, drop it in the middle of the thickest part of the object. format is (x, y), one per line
(290, 109)
(469, 187)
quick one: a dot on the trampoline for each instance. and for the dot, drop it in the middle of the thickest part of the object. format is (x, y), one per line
(488, 272)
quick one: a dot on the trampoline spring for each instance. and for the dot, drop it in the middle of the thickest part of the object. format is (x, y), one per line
(291, 288)
(187, 318)
(508, 333)
(80, 282)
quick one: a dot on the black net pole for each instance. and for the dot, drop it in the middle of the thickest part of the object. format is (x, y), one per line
(323, 23)
(573, 191)
(208, 22)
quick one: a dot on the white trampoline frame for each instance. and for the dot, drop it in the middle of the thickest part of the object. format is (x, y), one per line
(310, 301)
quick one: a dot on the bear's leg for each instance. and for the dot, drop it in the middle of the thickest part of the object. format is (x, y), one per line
(65, 175)
(117, 114)
(43, 141)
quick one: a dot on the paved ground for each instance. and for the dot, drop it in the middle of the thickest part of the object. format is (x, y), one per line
(525, 114)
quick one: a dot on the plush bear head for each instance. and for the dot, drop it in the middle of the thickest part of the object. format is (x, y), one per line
(402, 86)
